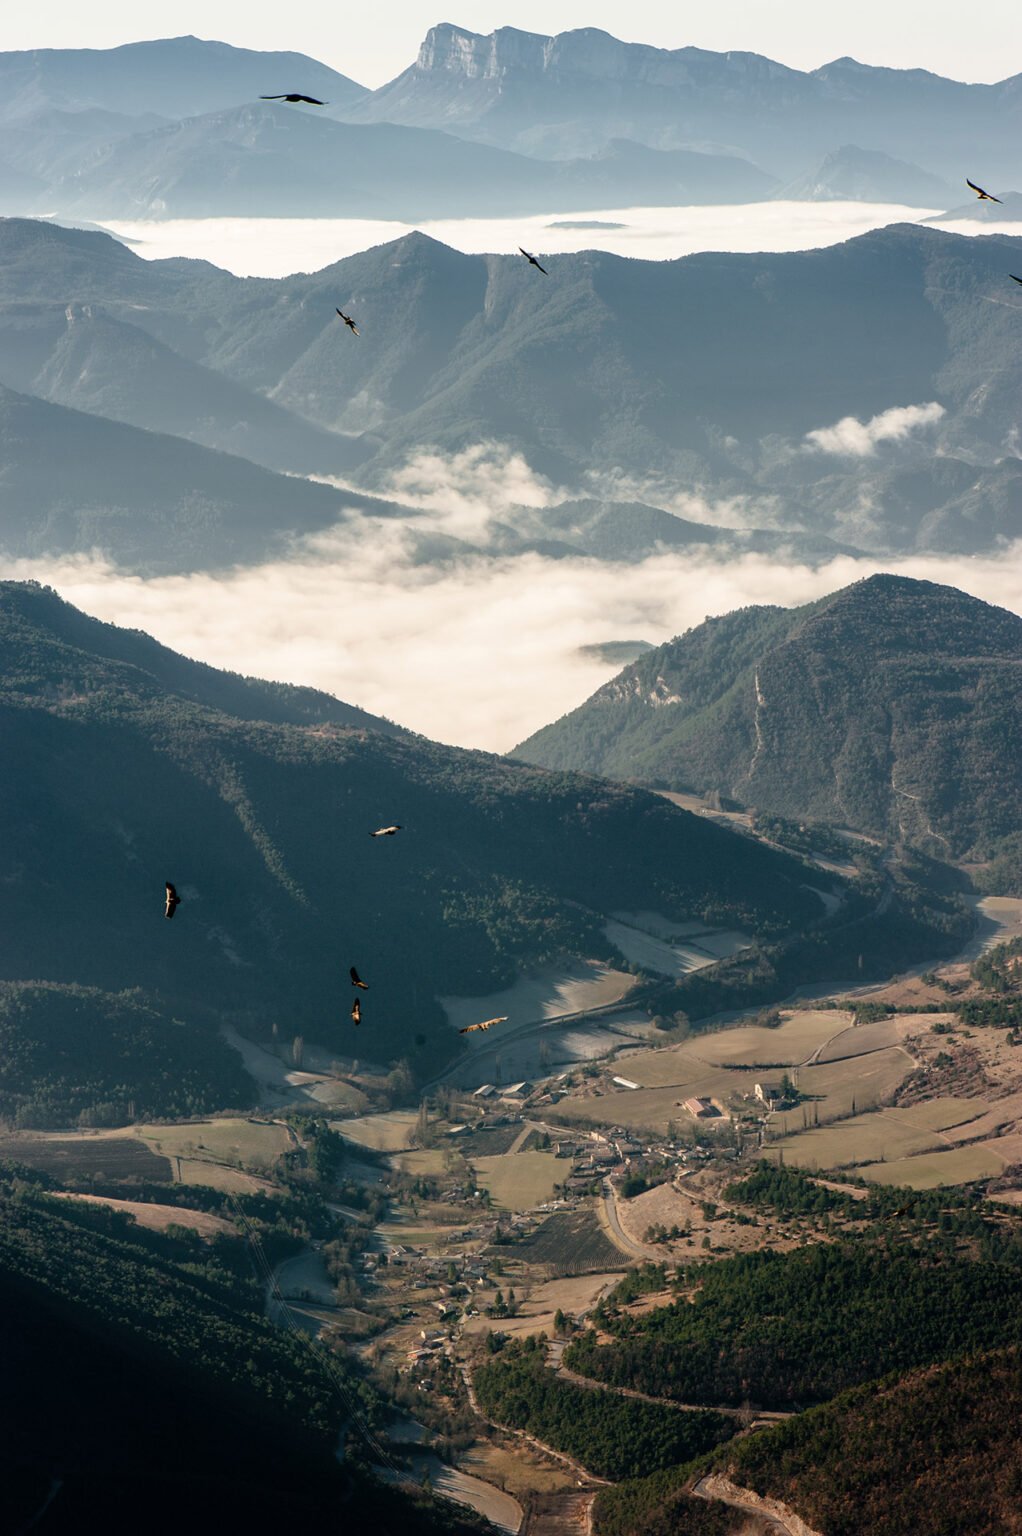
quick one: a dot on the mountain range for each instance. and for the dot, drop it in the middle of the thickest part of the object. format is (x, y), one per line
(890, 707)
(569, 94)
(126, 765)
(865, 394)
(511, 122)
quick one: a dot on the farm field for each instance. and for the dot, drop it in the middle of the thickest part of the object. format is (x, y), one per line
(570, 987)
(869, 1138)
(793, 1042)
(571, 1243)
(860, 1040)
(1000, 1112)
(390, 1132)
(420, 1161)
(957, 1165)
(159, 1217)
(672, 956)
(73, 1157)
(521, 1181)
(845, 1087)
(940, 1114)
(191, 1170)
(253, 1144)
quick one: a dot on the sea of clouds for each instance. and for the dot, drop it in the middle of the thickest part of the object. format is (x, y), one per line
(278, 247)
(477, 651)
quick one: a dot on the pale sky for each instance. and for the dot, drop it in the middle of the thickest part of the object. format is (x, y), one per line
(373, 43)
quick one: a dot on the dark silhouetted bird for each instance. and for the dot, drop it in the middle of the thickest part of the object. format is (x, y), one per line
(356, 980)
(532, 261)
(385, 831)
(310, 101)
(349, 322)
(1014, 278)
(470, 1029)
(173, 901)
(984, 197)
(356, 1012)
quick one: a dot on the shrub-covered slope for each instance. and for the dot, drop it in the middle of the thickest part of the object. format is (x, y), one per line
(892, 707)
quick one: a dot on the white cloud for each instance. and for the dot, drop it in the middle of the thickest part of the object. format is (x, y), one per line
(859, 439)
(277, 247)
(480, 650)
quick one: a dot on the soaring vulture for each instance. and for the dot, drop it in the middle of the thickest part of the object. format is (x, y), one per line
(356, 980)
(470, 1029)
(349, 322)
(385, 831)
(311, 101)
(173, 901)
(532, 261)
(984, 197)
(356, 1012)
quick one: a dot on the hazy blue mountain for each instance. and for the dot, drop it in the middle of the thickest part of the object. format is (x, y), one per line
(80, 355)
(1008, 209)
(266, 158)
(171, 77)
(892, 706)
(706, 374)
(74, 482)
(569, 94)
(125, 766)
(867, 176)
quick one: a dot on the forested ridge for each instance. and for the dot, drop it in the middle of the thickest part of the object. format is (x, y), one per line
(787, 1330)
(608, 1434)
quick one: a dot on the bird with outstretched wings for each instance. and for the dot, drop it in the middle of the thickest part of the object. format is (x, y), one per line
(173, 900)
(356, 980)
(984, 197)
(356, 1012)
(310, 101)
(385, 831)
(470, 1029)
(1014, 278)
(349, 322)
(532, 261)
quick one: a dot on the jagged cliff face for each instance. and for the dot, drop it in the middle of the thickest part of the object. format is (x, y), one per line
(570, 94)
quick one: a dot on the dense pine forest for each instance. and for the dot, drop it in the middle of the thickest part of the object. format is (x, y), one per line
(787, 1330)
(610, 1435)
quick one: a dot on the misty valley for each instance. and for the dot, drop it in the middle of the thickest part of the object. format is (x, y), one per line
(511, 806)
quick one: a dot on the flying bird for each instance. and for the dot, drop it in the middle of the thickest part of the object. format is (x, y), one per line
(356, 980)
(356, 1012)
(311, 101)
(532, 261)
(1014, 278)
(349, 322)
(984, 197)
(173, 901)
(385, 831)
(470, 1029)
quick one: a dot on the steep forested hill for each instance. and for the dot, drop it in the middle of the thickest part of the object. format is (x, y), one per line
(892, 707)
(125, 766)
